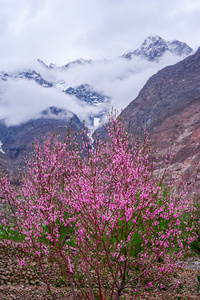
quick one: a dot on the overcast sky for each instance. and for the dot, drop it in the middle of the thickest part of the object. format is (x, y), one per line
(60, 31)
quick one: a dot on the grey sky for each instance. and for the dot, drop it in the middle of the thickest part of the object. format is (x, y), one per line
(63, 30)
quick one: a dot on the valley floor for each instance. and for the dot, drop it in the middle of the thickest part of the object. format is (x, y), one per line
(188, 288)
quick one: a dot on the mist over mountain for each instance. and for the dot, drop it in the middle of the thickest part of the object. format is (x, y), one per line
(43, 96)
(87, 88)
(15, 139)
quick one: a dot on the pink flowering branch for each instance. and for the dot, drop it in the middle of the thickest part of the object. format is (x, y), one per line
(100, 213)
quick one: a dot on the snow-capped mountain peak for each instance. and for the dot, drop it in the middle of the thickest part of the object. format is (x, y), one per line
(154, 47)
(79, 61)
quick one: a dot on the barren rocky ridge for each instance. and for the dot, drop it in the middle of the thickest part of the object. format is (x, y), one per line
(169, 104)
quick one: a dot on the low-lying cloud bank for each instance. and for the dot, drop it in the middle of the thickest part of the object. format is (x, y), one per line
(119, 79)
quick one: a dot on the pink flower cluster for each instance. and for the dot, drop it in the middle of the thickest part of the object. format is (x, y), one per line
(100, 212)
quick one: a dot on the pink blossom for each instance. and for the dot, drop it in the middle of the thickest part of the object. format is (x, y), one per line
(98, 210)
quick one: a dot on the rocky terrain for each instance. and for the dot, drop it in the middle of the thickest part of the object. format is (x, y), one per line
(169, 104)
(26, 282)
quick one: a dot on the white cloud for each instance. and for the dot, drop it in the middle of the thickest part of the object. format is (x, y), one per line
(119, 79)
(21, 100)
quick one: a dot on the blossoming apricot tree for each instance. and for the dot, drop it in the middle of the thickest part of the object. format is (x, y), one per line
(99, 214)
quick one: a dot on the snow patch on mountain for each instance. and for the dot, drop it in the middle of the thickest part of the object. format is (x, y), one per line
(1, 150)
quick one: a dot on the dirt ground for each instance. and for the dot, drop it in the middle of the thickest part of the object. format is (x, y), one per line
(183, 285)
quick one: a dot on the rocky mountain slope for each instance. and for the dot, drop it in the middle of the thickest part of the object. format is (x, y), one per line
(15, 139)
(169, 104)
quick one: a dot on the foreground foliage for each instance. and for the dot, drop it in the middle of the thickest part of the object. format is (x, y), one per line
(99, 214)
